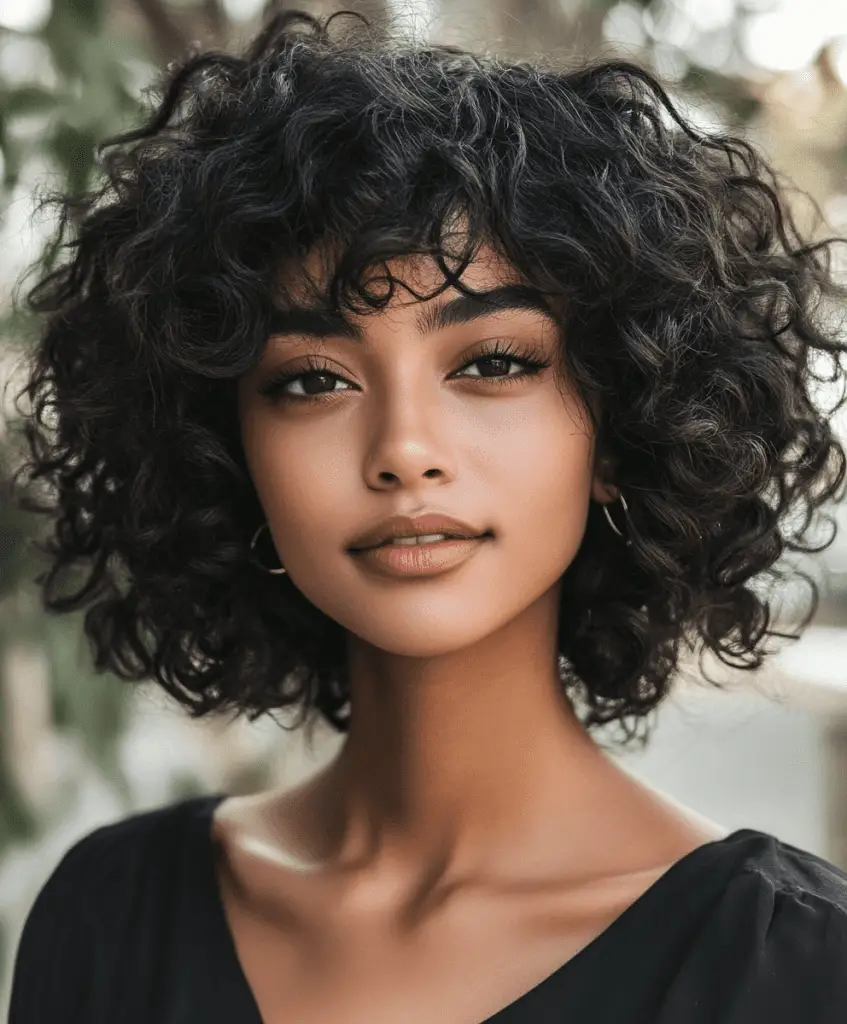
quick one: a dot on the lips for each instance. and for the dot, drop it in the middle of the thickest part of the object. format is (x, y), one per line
(440, 534)
(406, 526)
(418, 561)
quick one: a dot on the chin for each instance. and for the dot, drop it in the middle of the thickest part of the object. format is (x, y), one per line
(407, 643)
(418, 635)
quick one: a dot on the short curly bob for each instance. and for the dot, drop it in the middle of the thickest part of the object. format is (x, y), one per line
(696, 319)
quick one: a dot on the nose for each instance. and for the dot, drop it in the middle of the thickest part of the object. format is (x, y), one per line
(408, 443)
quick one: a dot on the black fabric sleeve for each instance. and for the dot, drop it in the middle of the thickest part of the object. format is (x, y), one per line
(801, 965)
(770, 955)
(803, 973)
(56, 964)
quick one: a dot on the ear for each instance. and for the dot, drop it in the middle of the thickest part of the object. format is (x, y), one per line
(603, 493)
(602, 490)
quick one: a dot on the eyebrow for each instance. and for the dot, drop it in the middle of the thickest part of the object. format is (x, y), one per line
(318, 322)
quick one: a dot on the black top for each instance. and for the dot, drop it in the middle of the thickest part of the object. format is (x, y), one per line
(130, 929)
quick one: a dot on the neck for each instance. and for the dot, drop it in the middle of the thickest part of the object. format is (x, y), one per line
(466, 760)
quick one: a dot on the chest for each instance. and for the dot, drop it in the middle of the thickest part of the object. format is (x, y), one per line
(463, 967)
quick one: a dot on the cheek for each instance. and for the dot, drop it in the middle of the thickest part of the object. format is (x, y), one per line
(542, 459)
(531, 463)
(302, 479)
(545, 490)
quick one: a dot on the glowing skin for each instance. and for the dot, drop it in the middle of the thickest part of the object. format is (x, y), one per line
(469, 826)
(466, 774)
(462, 750)
(515, 458)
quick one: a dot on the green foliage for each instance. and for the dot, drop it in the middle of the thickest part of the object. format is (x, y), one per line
(88, 14)
(86, 90)
(730, 93)
(91, 94)
(91, 706)
(14, 534)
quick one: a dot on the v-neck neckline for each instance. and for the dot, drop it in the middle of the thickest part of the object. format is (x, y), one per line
(226, 961)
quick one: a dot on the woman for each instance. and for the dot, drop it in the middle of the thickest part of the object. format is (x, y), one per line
(440, 397)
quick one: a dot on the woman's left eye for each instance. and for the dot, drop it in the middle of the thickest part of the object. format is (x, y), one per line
(500, 364)
(500, 355)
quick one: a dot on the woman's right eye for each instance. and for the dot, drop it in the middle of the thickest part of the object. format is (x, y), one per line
(295, 384)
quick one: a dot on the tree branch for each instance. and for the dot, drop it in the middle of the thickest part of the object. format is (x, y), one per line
(167, 34)
(216, 19)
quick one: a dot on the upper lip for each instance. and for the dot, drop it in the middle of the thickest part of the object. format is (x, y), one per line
(407, 526)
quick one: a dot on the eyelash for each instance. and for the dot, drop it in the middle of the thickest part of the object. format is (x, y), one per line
(530, 359)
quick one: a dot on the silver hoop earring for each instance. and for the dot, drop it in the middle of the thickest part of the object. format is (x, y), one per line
(611, 522)
(275, 572)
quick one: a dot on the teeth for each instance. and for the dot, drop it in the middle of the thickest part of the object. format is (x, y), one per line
(426, 539)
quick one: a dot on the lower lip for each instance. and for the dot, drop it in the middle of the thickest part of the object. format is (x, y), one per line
(420, 559)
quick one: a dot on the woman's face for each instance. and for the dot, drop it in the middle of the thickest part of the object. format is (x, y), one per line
(405, 421)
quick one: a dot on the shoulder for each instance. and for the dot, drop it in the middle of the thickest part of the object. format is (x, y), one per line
(779, 932)
(793, 870)
(103, 885)
(95, 868)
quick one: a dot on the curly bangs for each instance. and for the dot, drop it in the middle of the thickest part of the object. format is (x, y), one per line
(696, 320)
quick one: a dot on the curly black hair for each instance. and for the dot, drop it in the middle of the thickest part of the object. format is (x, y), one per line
(696, 321)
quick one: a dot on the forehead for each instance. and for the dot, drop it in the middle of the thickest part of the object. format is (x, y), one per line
(306, 281)
(495, 289)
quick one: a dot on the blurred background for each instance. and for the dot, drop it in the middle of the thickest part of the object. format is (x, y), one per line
(78, 749)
